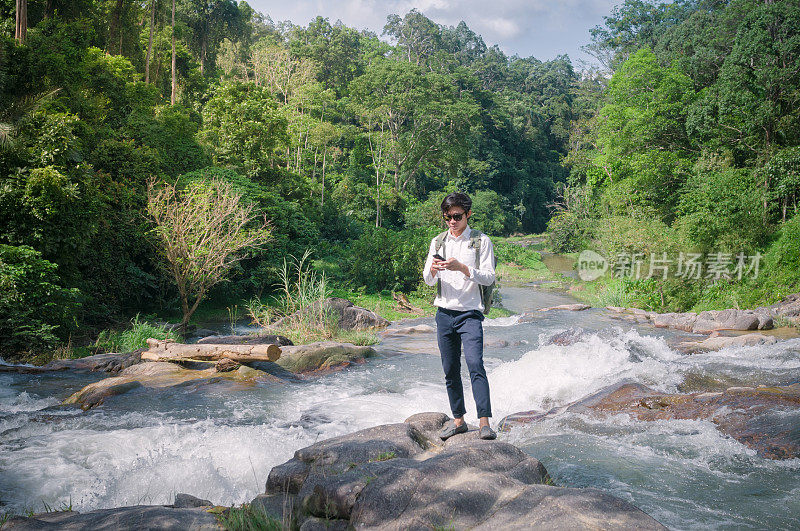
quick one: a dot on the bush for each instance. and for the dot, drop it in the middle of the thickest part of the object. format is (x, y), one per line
(382, 259)
(782, 259)
(35, 309)
(566, 233)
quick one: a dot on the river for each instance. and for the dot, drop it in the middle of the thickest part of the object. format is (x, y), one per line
(146, 446)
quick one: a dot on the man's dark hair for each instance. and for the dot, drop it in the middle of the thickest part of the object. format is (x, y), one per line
(456, 199)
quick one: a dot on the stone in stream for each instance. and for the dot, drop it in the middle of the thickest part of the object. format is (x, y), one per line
(717, 342)
(185, 501)
(227, 365)
(323, 356)
(407, 330)
(136, 517)
(751, 415)
(109, 362)
(158, 375)
(401, 476)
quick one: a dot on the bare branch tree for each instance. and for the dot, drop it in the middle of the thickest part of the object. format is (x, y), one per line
(202, 230)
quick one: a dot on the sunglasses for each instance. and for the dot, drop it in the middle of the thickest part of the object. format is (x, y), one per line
(457, 217)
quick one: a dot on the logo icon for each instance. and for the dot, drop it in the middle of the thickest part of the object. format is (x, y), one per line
(591, 265)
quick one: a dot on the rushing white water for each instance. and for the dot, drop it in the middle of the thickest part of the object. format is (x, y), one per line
(145, 446)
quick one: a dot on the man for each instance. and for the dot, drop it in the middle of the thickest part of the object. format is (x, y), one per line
(458, 275)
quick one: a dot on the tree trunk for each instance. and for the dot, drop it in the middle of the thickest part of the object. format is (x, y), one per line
(21, 32)
(377, 197)
(324, 152)
(115, 31)
(170, 351)
(174, 80)
(150, 41)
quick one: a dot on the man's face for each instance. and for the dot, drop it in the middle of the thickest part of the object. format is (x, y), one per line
(456, 219)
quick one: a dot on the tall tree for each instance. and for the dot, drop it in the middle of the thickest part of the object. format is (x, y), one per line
(150, 41)
(21, 32)
(174, 74)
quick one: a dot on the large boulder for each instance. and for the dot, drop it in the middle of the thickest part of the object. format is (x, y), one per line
(717, 342)
(136, 517)
(322, 356)
(159, 375)
(754, 416)
(401, 476)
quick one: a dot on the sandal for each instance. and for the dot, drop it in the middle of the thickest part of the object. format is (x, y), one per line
(451, 429)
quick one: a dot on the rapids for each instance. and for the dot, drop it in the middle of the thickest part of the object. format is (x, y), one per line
(145, 446)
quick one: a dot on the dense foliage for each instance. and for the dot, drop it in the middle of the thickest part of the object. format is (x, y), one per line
(346, 142)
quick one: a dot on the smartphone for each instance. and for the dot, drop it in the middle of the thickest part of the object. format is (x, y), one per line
(438, 256)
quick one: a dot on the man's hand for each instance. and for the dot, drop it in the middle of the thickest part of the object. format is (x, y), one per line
(451, 264)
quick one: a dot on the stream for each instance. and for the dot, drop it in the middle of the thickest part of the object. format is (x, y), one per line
(145, 446)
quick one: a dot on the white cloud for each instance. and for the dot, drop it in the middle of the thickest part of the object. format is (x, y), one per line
(541, 28)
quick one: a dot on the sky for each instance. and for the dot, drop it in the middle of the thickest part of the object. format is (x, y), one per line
(539, 28)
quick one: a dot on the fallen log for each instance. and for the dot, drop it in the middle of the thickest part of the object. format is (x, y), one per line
(168, 350)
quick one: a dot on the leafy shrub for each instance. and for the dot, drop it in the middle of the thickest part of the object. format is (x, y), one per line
(722, 211)
(382, 259)
(35, 309)
(566, 233)
(782, 259)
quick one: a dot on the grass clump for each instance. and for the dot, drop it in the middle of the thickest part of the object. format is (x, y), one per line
(132, 338)
(250, 518)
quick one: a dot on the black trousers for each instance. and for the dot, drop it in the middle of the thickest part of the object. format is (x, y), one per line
(453, 329)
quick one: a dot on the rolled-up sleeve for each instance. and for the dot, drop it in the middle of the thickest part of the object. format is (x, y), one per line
(426, 270)
(484, 273)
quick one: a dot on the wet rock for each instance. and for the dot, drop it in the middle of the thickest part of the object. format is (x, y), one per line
(204, 332)
(496, 343)
(278, 506)
(156, 375)
(762, 418)
(577, 307)
(186, 501)
(136, 517)
(109, 362)
(270, 339)
(324, 524)
(400, 476)
(567, 337)
(717, 342)
(322, 356)
(227, 365)
(407, 330)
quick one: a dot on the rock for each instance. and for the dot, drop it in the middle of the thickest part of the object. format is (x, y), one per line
(324, 524)
(247, 340)
(751, 415)
(496, 343)
(278, 506)
(227, 365)
(156, 375)
(719, 342)
(399, 476)
(788, 308)
(324, 355)
(204, 332)
(136, 517)
(407, 330)
(349, 317)
(577, 307)
(567, 337)
(185, 501)
(109, 362)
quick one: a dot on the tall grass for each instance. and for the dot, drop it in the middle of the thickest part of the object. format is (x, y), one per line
(132, 338)
(250, 518)
(299, 312)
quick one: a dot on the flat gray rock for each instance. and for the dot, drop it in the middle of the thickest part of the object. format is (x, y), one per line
(139, 517)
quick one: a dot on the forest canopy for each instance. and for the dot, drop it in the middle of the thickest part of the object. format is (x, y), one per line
(346, 140)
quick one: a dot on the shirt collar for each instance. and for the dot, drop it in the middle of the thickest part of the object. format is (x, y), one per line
(463, 236)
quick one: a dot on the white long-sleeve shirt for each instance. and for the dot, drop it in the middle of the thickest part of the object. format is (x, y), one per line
(460, 292)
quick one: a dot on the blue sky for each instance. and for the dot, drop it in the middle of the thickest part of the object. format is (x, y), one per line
(541, 28)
